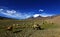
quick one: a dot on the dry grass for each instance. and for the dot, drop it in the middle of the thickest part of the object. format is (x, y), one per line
(47, 33)
(50, 30)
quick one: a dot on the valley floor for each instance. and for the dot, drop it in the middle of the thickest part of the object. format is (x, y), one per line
(51, 30)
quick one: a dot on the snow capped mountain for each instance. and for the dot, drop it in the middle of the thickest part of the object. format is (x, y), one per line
(36, 15)
(42, 15)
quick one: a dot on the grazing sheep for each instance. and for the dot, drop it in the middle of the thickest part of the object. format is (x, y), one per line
(14, 25)
(17, 24)
(9, 28)
(37, 26)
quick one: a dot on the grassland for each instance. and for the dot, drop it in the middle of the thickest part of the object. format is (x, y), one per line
(26, 30)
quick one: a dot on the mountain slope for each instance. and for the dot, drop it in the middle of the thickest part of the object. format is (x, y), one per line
(40, 18)
(56, 19)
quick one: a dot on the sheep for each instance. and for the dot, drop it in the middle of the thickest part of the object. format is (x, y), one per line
(14, 25)
(37, 26)
(9, 28)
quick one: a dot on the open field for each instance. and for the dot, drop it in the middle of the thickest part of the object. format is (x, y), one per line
(23, 28)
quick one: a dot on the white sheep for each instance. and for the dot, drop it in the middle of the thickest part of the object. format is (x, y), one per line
(36, 26)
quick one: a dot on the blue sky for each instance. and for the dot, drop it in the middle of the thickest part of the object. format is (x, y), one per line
(21, 9)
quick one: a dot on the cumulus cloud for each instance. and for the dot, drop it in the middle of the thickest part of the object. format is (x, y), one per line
(1, 9)
(20, 15)
(7, 12)
(15, 14)
(41, 10)
(11, 11)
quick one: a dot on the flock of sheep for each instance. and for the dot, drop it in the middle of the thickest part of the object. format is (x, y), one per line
(35, 26)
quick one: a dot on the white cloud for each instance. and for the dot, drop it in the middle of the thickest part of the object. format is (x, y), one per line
(1, 9)
(46, 15)
(41, 10)
(11, 11)
(27, 15)
(8, 12)
(20, 15)
(15, 14)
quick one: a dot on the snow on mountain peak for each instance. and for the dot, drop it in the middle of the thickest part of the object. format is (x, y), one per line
(36, 15)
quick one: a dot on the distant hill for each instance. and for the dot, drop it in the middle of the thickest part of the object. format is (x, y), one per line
(56, 19)
(41, 18)
(5, 18)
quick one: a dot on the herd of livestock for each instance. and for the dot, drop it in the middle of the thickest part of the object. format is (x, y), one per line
(35, 27)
